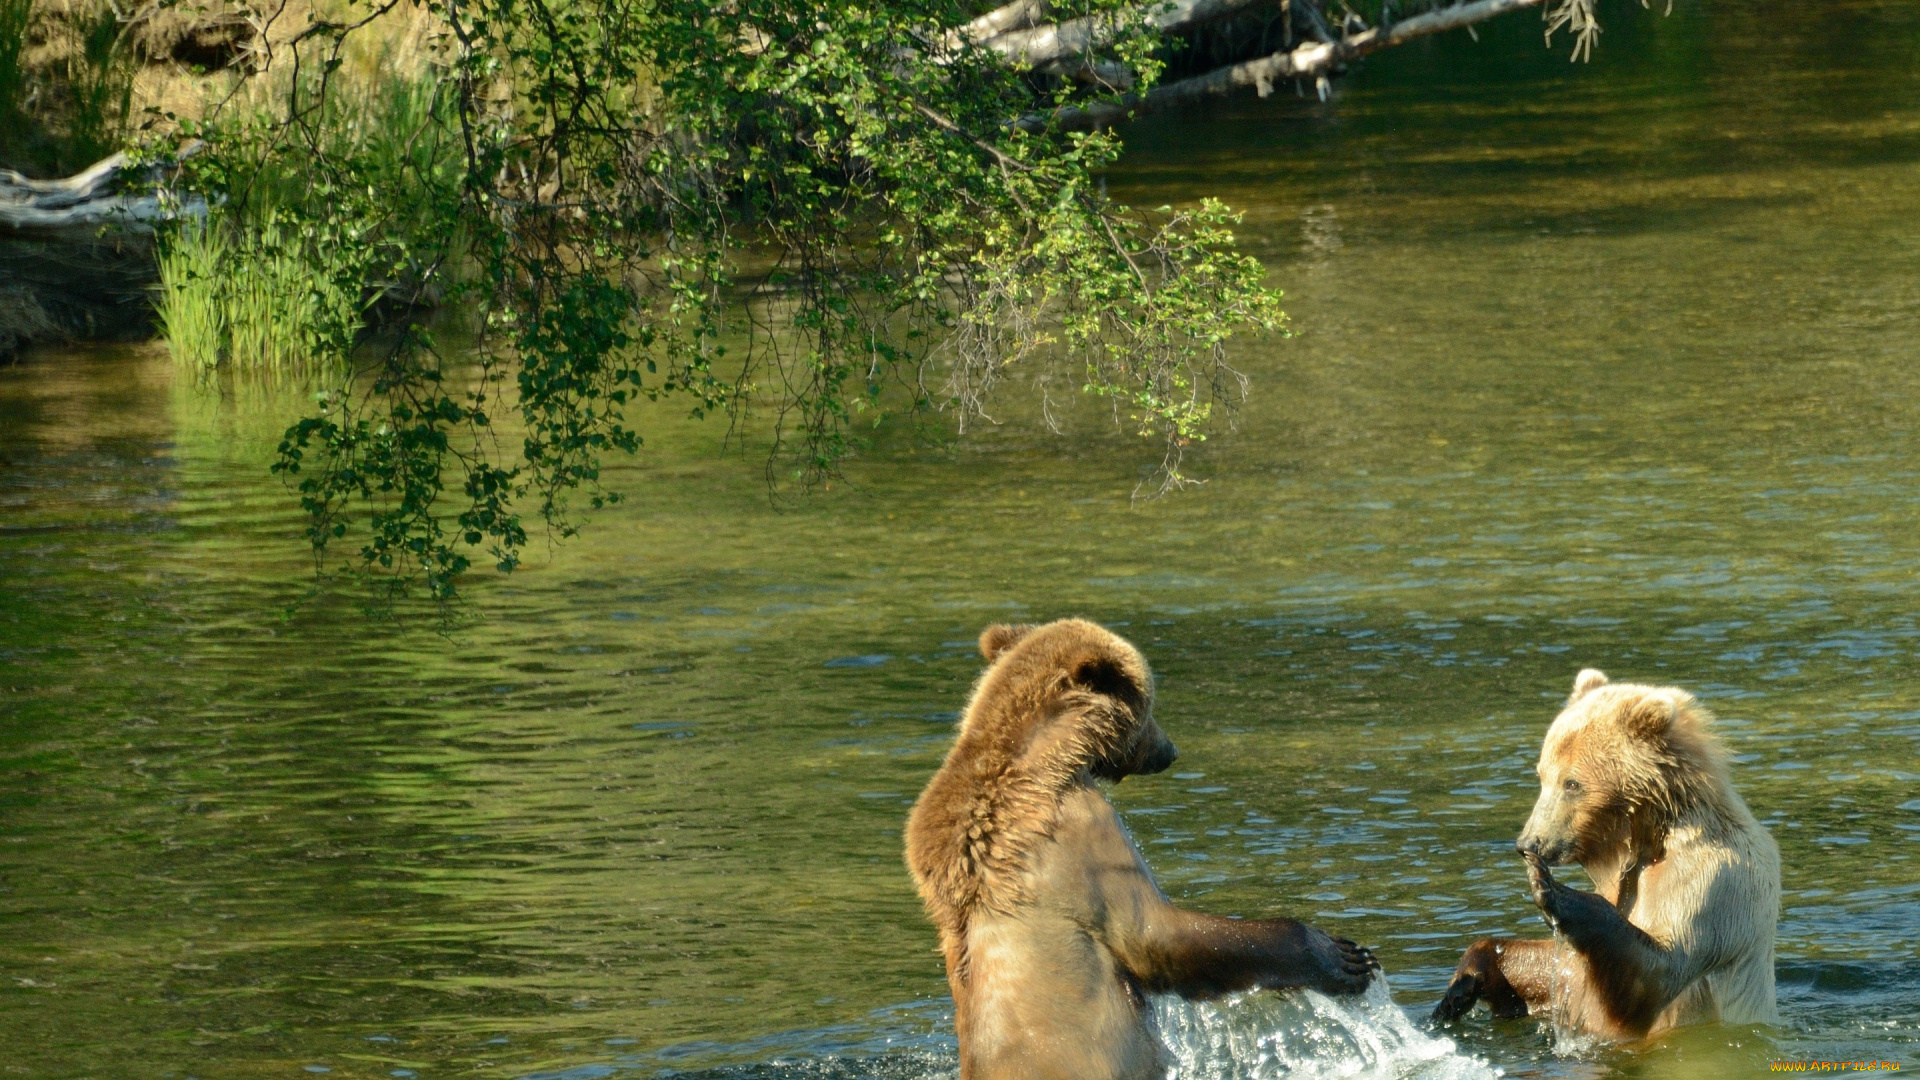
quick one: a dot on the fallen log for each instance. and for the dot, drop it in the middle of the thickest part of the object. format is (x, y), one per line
(1038, 45)
(88, 201)
(1018, 15)
(76, 253)
(1311, 61)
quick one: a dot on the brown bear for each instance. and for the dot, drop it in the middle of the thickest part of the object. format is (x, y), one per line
(1634, 788)
(1053, 930)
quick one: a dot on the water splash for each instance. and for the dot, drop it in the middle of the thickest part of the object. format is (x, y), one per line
(1256, 1036)
(1569, 1040)
(1263, 1035)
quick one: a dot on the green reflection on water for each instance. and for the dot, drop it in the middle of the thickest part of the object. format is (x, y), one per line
(1607, 366)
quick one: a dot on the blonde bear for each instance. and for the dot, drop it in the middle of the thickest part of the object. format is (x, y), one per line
(1680, 929)
(1053, 930)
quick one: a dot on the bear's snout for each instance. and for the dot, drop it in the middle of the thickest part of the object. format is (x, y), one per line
(1164, 754)
(1551, 852)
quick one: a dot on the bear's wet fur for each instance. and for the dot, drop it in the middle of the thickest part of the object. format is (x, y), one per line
(1052, 928)
(1634, 787)
(972, 828)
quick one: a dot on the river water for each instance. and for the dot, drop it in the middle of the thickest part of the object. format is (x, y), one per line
(1608, 365)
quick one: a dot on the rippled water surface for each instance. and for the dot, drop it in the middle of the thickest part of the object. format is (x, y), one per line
(1610, 365)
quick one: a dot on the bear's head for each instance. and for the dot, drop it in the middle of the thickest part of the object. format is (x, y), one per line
(1619, 765)
(1067, 696)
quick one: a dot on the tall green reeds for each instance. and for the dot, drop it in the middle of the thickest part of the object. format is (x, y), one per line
(192, 316)
(265, 300)
(284, 275)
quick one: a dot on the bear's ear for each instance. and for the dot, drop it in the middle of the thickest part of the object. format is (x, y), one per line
(1000, 637)
(1589, 680)
(1102, 675)
(1652, 716)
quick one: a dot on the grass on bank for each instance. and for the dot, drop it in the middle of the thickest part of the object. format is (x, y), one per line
(67, 84)
(253, 295)
(15, 16)
(290, 268)
(193, 317)
(285, 271)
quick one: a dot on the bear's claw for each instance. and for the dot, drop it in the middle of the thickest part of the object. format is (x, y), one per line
(1580, 916)
(1459, 999)
(1346, 967)
(1359, 960)
(1546, 891)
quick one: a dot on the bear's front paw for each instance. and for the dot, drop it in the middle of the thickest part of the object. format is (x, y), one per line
(1579, 916)
(1479, 978)
(1459, 999)
(1546, 891)
(1345, 967)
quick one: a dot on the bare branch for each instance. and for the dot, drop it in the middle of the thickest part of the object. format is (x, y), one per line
(1576, 16)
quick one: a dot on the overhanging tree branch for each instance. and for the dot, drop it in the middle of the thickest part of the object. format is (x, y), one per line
(842, 183)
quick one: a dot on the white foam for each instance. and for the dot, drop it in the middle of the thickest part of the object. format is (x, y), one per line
(1265, 1036)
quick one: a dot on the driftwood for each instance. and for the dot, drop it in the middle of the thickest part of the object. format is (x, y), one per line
(1015, 16)
(76, 254)
(1036, 45)
(1313, 62)
(1019, 33)
(86, 202)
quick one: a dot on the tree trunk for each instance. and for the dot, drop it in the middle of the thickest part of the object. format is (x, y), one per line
(82, 204)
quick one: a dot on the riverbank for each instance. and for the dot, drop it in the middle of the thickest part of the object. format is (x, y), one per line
(82, 81)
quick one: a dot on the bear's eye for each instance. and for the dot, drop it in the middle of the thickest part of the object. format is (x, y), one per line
(1571, 785)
